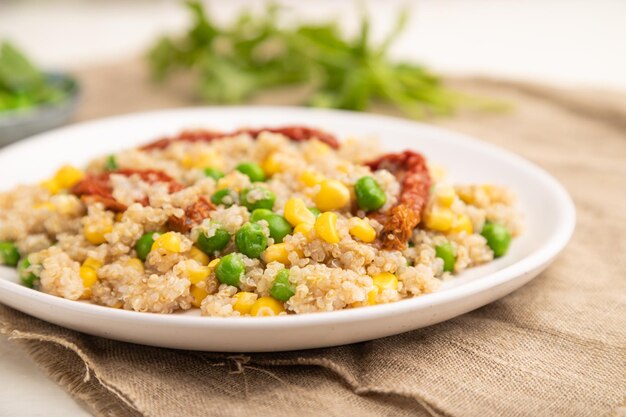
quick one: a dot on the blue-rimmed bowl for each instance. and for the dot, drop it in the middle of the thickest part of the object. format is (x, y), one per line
(19, 124)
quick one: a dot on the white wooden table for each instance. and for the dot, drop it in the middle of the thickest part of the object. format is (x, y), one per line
(570, 42)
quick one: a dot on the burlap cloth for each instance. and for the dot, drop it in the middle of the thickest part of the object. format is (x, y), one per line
(556, 347)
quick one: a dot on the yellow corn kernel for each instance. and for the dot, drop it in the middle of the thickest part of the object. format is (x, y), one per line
(136, 264)
(118, 304)
(385, 281)
(196, 273)
(462, 223)
(222, 183)
(276, 253)
(67, 176)
(344, 167)
(89, 277)
(494, 193)
(51, 185)
(214, 263)
(489, 189)
(267, 306)
(92, 263)
(198, 295)
(234, 180)
(304, 228)
(437, 172)
(370, 300)
(311, 178)
(46, 205)
(202, 160)
(272, 165)
(94, 233)
(361, 229)
(197, 255)
(316, 149)
(169, 241)
(244, 302)
(332, 195)
(445, 195)
(187, 161)
(296, 212)
(326, 227)
(466, 195)
(211, 159)
(439, 219)
(371, 297)
(66, 204)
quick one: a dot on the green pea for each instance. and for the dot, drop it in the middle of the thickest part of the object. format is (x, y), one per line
(498, 238)
(9, 255)
(446, 252)
(144, 245)
(215, 243)
(214, 173)
(282, 289)
(26, 278)
(260, 214)
(278, 225)
(250, 240)
(230, 269)
(225, 197)
(111, 163)
(252, 170)
(257, 197)
(369, 195)
(315, 211)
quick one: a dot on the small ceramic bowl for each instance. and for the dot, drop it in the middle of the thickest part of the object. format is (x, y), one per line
(19, 124)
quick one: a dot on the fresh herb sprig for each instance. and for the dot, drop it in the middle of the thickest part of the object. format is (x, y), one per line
(256, 53)
(22, 85)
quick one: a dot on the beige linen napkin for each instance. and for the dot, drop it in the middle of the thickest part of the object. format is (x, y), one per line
(555, 347)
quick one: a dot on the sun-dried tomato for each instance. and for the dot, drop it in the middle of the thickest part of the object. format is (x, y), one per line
(412, 172)
(97, 187)
(194, 214)
(295, 133)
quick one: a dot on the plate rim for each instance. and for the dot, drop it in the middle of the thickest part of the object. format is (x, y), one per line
(538, 259)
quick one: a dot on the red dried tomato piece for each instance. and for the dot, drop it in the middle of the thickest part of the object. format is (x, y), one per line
(295, 133)
(97, 187)
(411, 171)
(194, 214)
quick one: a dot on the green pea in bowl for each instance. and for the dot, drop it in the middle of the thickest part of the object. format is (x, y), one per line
(23, 122)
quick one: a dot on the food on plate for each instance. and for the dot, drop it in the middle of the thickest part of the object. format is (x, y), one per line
(255, 222)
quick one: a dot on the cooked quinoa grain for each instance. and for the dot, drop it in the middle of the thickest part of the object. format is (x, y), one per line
(80, 231)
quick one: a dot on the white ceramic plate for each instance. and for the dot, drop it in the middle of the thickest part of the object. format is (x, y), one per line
(548, 211)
